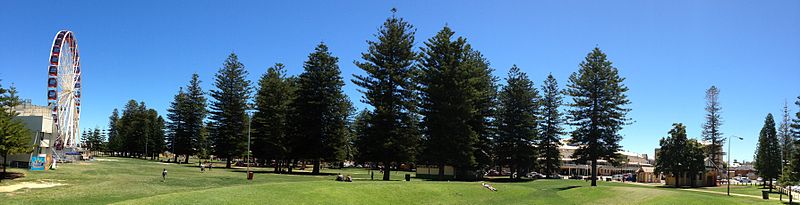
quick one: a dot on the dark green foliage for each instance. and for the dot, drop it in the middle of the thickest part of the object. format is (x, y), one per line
(359, 127)
(93, 139)
(795, 127)
(389, 63)
(597, 110)
(14, 136)
(178, 138)
(320, 110)
(186, 115)
(768, 152)
(196, 112)
(711, 132)
(519, 106)
(695, 159)
(680, 156)
(270, 121)
(139, 132)
(227, 113)
(785, 137)
(484, 101)
(455, 103)
(550, 127)
(155, 133)
(115, 141)
(791, 173)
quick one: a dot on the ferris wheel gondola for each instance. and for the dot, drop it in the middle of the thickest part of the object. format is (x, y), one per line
(64, 89)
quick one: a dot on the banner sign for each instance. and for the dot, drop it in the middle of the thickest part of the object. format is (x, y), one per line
(37, 163)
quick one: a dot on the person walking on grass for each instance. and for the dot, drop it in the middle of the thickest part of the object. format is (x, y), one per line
(164, 175)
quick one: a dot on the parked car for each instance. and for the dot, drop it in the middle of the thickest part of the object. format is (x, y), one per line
(575, 177)
(554, 176)
(743, 180)
(535, 175)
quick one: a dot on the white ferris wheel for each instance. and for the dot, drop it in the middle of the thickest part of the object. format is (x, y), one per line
(64, 89)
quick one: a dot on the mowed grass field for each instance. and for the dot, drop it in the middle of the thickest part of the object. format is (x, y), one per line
(134, 181)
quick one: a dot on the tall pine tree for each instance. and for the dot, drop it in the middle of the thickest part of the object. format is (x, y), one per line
(768, 152)
(179, 139)
(711, 128)
(321, 110)
(484, 101)
(791, 174)
(446, 102)
(389, 89)
(550, 126)
(14, 136)
(195, 114)
(227, 111)
(785, 137)
(270, 122)
(597, 110)
(519, 106)
(114, 140)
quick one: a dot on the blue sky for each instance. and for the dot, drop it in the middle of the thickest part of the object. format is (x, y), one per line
(669, 51)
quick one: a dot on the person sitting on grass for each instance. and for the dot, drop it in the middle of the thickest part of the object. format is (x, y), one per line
(339, 177)
(348, 178)
(489, 186)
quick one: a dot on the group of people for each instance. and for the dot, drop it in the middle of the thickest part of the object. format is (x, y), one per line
(342, 178)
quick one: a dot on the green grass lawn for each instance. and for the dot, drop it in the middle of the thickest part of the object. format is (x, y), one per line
(134, 181)
(754, 190)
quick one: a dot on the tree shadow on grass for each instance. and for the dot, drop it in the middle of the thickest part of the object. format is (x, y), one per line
(568, 187)
(286, 173)
(12, 175)
(509, 180)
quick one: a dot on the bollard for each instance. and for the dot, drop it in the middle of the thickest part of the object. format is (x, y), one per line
(765, 194)
(408, 177)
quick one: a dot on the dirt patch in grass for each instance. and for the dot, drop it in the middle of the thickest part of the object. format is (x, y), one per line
(28, 185)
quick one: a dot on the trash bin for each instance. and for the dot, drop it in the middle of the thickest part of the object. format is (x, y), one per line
(250, 175)
(408, 177)
(765, 194)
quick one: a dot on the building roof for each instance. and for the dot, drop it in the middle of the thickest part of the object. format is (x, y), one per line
(646, 169)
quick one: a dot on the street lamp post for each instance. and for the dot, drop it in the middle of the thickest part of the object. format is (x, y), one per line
(729, 162)
(249, 124)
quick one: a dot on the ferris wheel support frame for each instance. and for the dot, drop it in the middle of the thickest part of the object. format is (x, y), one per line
(64, 89)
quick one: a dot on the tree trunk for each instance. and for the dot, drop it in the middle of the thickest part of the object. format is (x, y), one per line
(315, 170)
(441, 170)
(277, 166)
(677, 180)
(386, 171)
(511, 168)
(186, 161)
(176, 158)
(228, 163)
(594, 172)
(5, 160)
(290, 165)
(770, 185)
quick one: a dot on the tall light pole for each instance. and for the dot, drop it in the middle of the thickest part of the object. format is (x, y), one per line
(729, 162)
(249, 124)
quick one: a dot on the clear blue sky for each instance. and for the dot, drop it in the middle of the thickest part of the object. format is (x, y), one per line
(669, 51)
